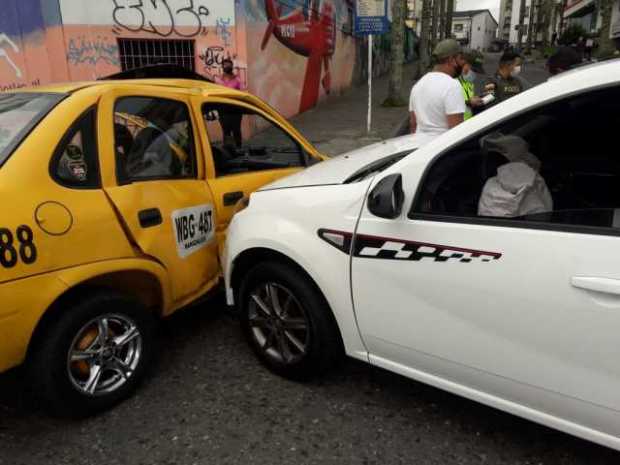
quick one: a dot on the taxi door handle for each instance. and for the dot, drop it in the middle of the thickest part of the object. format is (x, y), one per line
(595, 284)
(149, 217)
(231, 198)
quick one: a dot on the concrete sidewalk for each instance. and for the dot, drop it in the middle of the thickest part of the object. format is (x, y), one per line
(338, 124)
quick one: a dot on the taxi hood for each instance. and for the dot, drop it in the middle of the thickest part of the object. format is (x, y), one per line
(351, 166)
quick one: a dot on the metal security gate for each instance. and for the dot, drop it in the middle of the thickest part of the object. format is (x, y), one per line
(137, 53)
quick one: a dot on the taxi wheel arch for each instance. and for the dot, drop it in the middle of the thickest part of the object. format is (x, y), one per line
(275, 263)
(140, 285)
(145, 305)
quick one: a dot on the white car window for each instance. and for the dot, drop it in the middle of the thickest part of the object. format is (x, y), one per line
(554, 167)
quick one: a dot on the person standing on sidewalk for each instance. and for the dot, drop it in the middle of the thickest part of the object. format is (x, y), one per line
(436, 103)
(473, 67)
(505, 83)
(230, 120)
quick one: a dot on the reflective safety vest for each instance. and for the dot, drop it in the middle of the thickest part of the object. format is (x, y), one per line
(468, 92)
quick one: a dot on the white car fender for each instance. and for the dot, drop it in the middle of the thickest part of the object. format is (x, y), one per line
(296, 237)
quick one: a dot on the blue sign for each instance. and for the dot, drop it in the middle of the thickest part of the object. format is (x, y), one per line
(371, 17)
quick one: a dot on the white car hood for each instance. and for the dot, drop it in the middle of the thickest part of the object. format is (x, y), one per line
(338, 169)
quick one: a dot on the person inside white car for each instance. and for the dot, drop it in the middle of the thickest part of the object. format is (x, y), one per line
(518, 189)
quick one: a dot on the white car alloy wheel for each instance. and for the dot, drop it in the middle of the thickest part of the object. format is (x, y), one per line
(278, 323)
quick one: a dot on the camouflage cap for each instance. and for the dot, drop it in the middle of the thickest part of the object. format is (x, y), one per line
(447, 48)
(475, 60)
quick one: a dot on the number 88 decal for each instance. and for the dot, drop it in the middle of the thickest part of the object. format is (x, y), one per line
(10, 252)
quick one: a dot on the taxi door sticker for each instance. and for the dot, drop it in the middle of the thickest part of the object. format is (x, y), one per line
(193, 228)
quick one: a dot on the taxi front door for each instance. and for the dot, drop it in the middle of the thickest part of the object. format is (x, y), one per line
(156, 180)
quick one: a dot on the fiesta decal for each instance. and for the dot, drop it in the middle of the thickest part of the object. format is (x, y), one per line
(16, 247)
(193, 228)
(365, 246)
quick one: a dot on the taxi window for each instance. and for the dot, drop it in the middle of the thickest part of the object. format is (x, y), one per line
(153, 140)
(243, 141)
(75, 162)
(19, 114)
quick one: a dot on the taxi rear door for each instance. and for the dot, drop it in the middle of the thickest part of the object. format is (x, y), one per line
(154, 174)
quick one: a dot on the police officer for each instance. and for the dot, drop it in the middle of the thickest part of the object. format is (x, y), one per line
(505, 83)
(471, 71)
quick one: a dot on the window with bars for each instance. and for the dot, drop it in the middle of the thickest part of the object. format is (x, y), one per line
(136, 53)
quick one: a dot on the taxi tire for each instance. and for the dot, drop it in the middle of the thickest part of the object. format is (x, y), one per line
(47, 370)
(325, 347)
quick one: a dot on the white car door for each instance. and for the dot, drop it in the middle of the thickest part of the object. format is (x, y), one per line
(525, 309)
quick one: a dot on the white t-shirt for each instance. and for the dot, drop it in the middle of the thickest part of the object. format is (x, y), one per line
(432, 98)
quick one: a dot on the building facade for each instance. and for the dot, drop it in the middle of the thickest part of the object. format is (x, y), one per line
(290, 53)
(475, 29)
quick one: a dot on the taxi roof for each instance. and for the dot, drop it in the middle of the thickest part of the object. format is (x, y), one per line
(183, 86)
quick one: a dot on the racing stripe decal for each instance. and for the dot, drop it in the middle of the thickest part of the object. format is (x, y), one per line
(366, 246)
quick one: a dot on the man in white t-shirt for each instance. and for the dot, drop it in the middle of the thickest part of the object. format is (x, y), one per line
(437, 103)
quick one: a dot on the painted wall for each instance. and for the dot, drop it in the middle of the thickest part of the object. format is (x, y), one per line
(45, 41)
(299, 51)
(31, 47)
(291, 53)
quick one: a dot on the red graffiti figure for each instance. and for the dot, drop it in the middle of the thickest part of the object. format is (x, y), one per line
(313, 36)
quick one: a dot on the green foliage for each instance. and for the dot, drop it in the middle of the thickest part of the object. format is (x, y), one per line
(572, 34)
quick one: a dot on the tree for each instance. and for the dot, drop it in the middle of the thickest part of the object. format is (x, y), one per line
(606, 46)
(442, 19)
(521, 24)
(425, 43)
(397, 54)
(449, 12)
(435, 23)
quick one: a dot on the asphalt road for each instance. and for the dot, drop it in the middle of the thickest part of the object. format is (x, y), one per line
(209, 402)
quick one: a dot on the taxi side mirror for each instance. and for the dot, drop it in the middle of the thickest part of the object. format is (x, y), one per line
(387, 197)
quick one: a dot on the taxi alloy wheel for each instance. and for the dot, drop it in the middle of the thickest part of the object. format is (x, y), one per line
(288, 322)
(93, 355)
(101, 364)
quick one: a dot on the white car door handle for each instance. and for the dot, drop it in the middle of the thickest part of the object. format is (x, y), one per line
(604, 285)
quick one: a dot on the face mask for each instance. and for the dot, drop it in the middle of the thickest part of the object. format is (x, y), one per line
(458, 69)
(470, 77)
(516, 71)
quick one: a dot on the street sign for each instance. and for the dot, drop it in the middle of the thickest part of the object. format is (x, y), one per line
(371, 17)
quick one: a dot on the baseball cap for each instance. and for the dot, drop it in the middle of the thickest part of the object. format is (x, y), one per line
(562, 60)
(447, 48)
(509, 56)
(475, 60)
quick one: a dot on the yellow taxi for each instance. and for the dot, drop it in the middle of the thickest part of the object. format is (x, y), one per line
(116, 196)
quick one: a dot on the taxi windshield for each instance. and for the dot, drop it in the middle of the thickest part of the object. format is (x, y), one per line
(19, 114)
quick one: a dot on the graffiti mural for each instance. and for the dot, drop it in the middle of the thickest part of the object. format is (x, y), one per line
(299, 52)
(83, 50)
(6, 41)
(160, 17)
(310, 32)
(222, 29)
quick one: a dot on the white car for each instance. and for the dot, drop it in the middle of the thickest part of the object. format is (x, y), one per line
(485, 263)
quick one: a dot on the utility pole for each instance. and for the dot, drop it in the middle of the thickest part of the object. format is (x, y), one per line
(531, 30)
